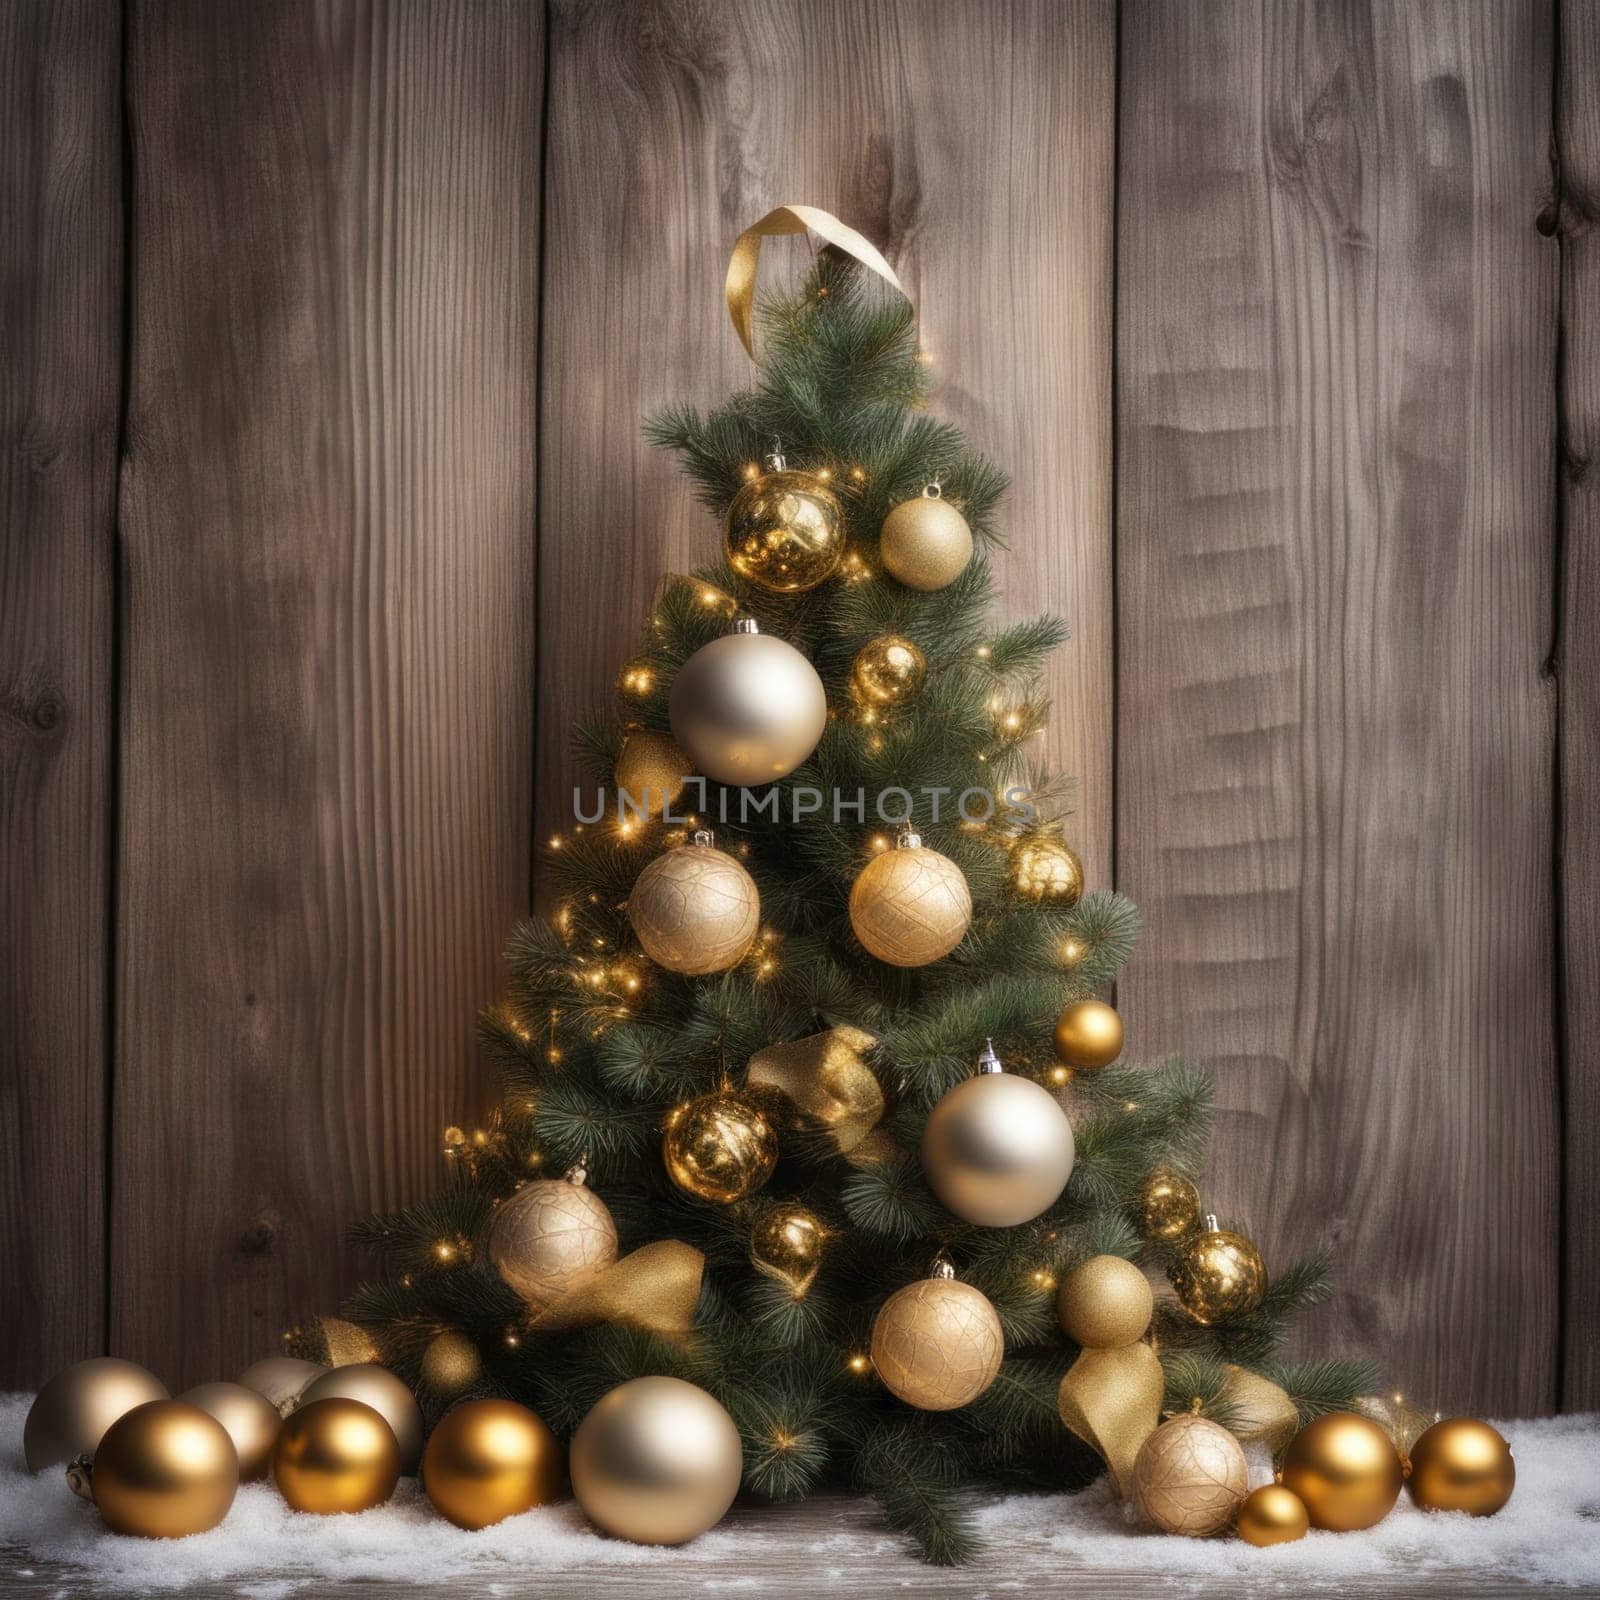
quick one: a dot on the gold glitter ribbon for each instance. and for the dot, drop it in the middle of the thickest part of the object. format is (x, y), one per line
(746, 258)
(1266, 1414)
(826, 1077)
(1112, 1400)
(655, 1288)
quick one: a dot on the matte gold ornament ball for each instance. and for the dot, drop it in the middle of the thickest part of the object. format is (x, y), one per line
(488, 1460)
(1190, 1477)
(657, 1461)
(250, 1420)
(1105, 1304)
(281, 1380)
(1218, 1274)
(651, 771)
(718, 1147)
(1272, 1515)
(937, 1343)
(1044, 867)
(450, 1364)
(1088, 1035)
(380, 1389)
(786, 1246)
(887, 672)
(164, 1470)
(784, 530)
(747, 708)
(1168, 1205)
(336, 1455)
(997, 1148)
(925, 543)
(1345, 1469)
(695, 909)
(910, 905)
(1462, 1465)
(550, 1236)
(70, 1415)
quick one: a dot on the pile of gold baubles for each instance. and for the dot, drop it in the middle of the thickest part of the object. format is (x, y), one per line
(910, 905)
(695, 909)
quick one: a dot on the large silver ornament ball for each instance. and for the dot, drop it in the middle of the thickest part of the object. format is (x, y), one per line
(71, 1414)
(281, 1380)
(549, 1237)
(747, 709)
(998, 1150)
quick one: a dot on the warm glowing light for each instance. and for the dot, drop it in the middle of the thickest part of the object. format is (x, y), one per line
(555, 841)
(1060, 1076)
(445, 1251)
(783, 1440)
(1043, 1280)
(859, 1363)
(512, 1340)
(983, 652)
(751, 472)
(878, 843)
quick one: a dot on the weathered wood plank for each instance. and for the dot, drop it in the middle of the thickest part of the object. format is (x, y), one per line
(61, 225)
(973, 145)
(1336, 550)
(328, 502)
(1579, 676)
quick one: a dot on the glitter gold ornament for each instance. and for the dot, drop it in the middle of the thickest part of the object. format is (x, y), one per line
(70, 1415)
(747, 708)
(1168, 1205)
(694, 908)
(1044, 867)
(925, 543)
(330, 1342)
(1272, 1515)
(550, 1236)
(997, 1149)
(164, 1470)
(937, 1343)
(651, 771)
(1088, 1035)
(1190, 1477)
(784, 530)
(1462, 1465)
(1105, 1303)
(451, 1363)
(1346, 1470)
(380, 1389)
(718, 1147)
(281, 1379)
(657, 1461)
(887, 672)
(910, 905)
(250, 1420)
(334, 1455)
(786, 1245)
(1218, 1274)
(488, 1460)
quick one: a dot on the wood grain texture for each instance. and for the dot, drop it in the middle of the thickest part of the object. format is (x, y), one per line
(61, 224)
(976, 155)
(1578, 148)
(328, 510)
(1336, 554)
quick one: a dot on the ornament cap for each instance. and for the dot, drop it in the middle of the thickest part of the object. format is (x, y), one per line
(703, 838)
(907, 838)
(933, 490)
(1211, 1222)
(745, 624)
(578, 1172)
(775, 456)
(942, 1267)
(80, 1474)
(989, 1062)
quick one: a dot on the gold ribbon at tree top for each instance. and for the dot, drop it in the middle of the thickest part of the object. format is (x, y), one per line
(825, 1077)
(655, 1287)
(746, 259)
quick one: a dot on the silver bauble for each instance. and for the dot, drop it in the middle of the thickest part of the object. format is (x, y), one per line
(70, 1415)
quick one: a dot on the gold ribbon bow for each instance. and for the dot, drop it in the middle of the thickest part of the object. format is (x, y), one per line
(1265, 1413)
(746, 258)
(826, 1077)
(655, 1288)
(1112, 1400)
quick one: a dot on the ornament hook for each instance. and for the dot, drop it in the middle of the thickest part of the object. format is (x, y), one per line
(942, 1267)
(742, 624)
(703, 838)
(907, 838)
(775, 455)
(989, 1062)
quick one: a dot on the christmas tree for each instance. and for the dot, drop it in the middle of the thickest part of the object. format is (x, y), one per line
(821, 872)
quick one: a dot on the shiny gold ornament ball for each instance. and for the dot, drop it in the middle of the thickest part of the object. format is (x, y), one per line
(70, 1415)
(1218, 1274)
(910, 906)
(336, 1455)
(451, 1363)
(747, 708)
(1046, 868)
(549, 1237)
(164, 1470)
(695, 909)
(651, 772)
(1105, 1303)
(785, 532)
(1088, 1035)
(719, 1147)
(657, 1461)
(1190, 1477)
(925, 543)
(1346, 1470)
(1462, 1465)
(378, 1388)
(1272, 1515)
(1168, 1205)
(488, 1460)
(281, 1379)
(786, 1246)
(937, 1344)
(250, 1420)
(887, 672)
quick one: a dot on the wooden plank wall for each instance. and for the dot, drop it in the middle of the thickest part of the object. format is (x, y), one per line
(268, 781)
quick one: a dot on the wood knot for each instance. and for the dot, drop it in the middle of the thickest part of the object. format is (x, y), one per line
(259, 1238)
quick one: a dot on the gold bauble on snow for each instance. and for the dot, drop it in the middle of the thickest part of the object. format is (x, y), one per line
(786, 1245)
(910, 905)
(70, 1415)
(164, 1470)
(1190, 1477)
(695, 909)
(937, 1343)
(1088, 1035)
(784, 530)
(657, 1461)
(1044, 867)
(334, 1455)
(925, 542)
(1218, 1274)
(488, 1460)
(718, 1147)
(1105, 1303)
(281, 1379)
(997, 1149)
(1272, 1515)
(1461, 1464)
(1345, 1469)
(886, 673)
(250, 1420)
(1168, 1205)
(747, 708)
(550, 1236)
(651, 771)
(380, 1389)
